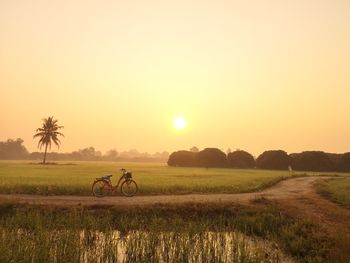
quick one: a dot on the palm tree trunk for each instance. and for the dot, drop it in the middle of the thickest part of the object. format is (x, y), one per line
(44, 161)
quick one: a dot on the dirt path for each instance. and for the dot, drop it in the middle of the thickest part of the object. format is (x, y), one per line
(287, 189)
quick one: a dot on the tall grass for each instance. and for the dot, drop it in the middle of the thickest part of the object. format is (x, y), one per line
(92, 246)
(192, 233)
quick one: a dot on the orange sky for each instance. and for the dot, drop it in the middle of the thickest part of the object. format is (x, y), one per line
(253, 75)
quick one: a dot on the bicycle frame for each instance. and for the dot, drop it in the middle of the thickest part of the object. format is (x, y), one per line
(119, 181)
(110, 186)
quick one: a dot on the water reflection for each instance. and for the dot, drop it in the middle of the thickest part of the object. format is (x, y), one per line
(140, 246)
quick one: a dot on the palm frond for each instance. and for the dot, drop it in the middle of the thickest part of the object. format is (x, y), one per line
(56, 141)
(59, 133)
(40, 134)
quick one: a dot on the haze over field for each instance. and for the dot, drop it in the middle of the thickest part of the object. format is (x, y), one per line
(254, 75)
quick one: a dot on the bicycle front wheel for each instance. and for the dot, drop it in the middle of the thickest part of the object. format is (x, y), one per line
(129, 188)
(100, 188)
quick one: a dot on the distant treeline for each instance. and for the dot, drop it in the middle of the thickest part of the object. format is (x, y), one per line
(273, 160)
(15, 150)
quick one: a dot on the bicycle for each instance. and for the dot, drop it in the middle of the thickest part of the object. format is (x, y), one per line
(103, 185)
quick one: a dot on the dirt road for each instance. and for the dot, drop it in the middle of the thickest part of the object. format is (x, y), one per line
(287, 189)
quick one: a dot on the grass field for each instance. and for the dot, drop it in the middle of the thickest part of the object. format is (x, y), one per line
(337, 190)
(76, 179)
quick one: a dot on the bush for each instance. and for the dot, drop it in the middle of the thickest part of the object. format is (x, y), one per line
(273, 160)
(313, 161)
(211, 157)
(182, 158)
(344, 163)
(240, 159)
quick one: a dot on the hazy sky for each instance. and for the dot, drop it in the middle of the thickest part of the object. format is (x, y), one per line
(246, 74)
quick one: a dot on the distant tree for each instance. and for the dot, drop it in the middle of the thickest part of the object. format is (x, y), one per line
(48, 133)
(35, 156)
(13, 149)
(89, 154)
(313, 161)
(240, 159)
(182, 158)
(133, 153)
(161, 156)
(194, 149)
(228, 151)
(344, 163)
(112, 155)
(211, 157)
(274, 160)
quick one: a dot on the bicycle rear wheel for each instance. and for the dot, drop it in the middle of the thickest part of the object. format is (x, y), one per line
(129, 188)
(100, 188)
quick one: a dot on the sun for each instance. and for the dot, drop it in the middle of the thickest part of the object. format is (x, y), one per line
(180, 123)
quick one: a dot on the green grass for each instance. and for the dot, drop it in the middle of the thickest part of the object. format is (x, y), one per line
(337, 190)
(76, 179)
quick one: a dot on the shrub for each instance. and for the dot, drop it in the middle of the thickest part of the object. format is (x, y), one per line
(240, 159)
(344, 163)
(274, 160)
(313, 161)
(211, 157)
(182, 158)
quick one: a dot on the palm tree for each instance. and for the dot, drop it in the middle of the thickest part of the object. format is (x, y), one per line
(48, 133)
